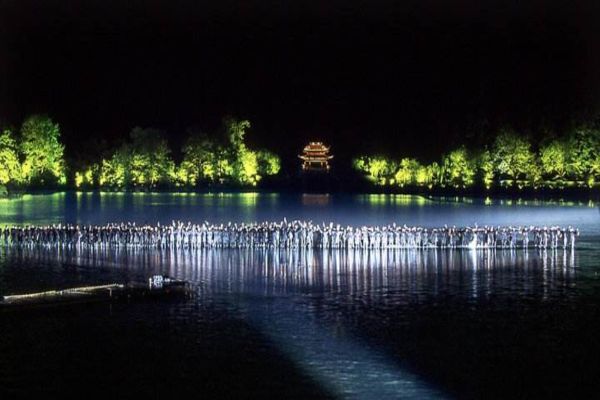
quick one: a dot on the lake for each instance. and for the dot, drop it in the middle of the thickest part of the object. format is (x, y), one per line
(307, 324)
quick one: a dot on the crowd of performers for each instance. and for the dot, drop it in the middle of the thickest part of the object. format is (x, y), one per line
(284, 234)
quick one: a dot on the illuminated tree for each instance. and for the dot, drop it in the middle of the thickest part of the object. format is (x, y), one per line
(42, 150)
(224, 166)
(143, 162)
(268, 163)
(150, 161)
(512, 157)
(226, 159)
(235, 131)
(246, 167)
(458, 169)
(583, 150)
(485, 165)
(510, 160)
(88, 177)
(406, 172)
(243, 161)
(553, 159)
(199, 160)
(428, 175)
(10, 166)
(594, 171)
(379, 170)
(113, 170)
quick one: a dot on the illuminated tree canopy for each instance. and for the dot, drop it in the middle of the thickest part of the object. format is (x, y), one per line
(458, 169)
(145, 161)
(406, 173)
(583, 152)
(553, 159)
(510, 161)
(513, 156)
(379, 170)
(226, 159)
(42, 151)
(10, 165)
(35, 157)
(485, 167)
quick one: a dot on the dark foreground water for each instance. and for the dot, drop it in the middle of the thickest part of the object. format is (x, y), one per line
(307, 324)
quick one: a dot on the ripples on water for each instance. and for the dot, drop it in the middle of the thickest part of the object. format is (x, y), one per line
(353, 272)
(308, 324)
(357, 323)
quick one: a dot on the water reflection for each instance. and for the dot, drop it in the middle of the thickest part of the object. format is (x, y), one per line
(356, 273)
(382, 199)
(32, 209)
(351, 319)
(319, 200)
(355, 210)
(307, 302)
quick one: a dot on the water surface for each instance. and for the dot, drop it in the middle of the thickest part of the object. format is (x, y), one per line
(308, 324)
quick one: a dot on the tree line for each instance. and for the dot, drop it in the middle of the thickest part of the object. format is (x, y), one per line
(509, 161)
(34, 157)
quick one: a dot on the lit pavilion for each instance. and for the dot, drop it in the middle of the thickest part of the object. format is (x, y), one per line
(315, 157)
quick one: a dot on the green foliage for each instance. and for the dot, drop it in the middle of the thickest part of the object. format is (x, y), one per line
(145, 161)
(486, 168)
(406, 173)
(199, 160)
(511, 161)
(235, 131)
(113, 170)
(246, 168)
(553, 158)
(230, 161)
(150, 162)
(428, 175)
(595, 167)
(42, 151)
(382, 171)
(513, 157)
(378, 169)
(268, 163)
(458, 170)
(36, 157)
(10, 166)
(584, 149)
(433, 173)
(86, 178)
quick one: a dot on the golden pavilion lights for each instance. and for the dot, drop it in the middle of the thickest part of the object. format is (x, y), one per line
(315, 157)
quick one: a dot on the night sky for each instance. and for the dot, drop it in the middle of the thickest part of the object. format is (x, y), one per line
(398, 77)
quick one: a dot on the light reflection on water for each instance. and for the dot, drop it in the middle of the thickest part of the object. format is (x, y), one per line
(370, 272)
(103, 207)
(334, 313)
(276, 292)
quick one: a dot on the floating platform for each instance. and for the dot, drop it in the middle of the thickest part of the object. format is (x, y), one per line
(157, 287)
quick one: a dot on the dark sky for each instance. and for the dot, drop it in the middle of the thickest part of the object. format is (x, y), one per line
(400, 77)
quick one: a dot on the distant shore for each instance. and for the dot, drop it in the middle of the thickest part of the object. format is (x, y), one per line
(579, 194)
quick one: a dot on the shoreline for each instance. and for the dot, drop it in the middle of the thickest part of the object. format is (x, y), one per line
(431, 195)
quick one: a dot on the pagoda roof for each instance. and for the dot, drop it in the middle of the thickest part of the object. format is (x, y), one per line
(316, 146)
(315, 152)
